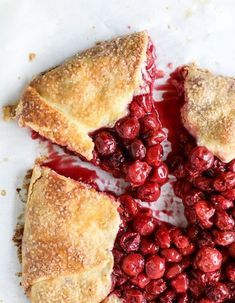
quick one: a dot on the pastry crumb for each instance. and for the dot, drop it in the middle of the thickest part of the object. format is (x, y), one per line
(17, 239)
(18, 274)
(32, 56)
(3, 192)
(9, 112)
(129, 26)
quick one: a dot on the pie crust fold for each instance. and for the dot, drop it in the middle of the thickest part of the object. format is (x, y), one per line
(88, 91)
(69, 233)
(209, 110)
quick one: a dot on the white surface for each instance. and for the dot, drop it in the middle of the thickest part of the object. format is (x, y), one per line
(183, 31)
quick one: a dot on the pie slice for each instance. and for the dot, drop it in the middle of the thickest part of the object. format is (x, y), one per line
(69, 233)
(87, 92)
(209, 110)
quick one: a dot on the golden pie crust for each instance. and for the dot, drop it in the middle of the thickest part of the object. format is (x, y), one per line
(209, 110)
(69, 233)
(89, 91)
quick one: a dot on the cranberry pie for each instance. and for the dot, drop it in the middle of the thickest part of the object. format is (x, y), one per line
(68, 236)
(209, 110)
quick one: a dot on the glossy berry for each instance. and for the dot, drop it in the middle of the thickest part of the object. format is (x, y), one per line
(224, 181)
(180, 283)
(223, 238)
(148, 247)
(133, 264)
(201, 158)
(155, 267)
(136, 110)
(204, 212)
(130, 241)
(127, 128)
(162, 237)
(154, 155)
(149, 123)
(137, 149)
(217, 292)
(220, 202)
(141, 280)
(144, 224)
(155, 288)
(192, 197)
(230, 272)
(159, 174)
(129, 206)
(223, 221)
(134, 296)
(155, 137)
(149, 192)
(105, 143)
(171, 255)
(208, 259)
(137, 172)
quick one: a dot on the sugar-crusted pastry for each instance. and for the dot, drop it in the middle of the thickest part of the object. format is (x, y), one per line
(209, 110)
(69, 233)
(87, 92)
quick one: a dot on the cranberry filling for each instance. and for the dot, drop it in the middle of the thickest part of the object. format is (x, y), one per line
(131, 149)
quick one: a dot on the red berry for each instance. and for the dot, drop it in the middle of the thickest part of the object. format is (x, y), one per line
(149, 192)
(201, 158)
(180, 283)
(231, 249)
(154, 155)
(134, 296)
(224, 181)
(127, 128)
(136, 110)
(130, 241)
(217, 292)
(148, 247)
(230, 272)
(141, 280)
(144, 224)
(223, 221)
(105, 143)
(155, 267)
(155, 137)
(133, 264)
(168, 296)
(231, 165)
(208, 259)
(192, 197)
(129, 206)
(162, 237)
(220, 202)
(149, 123)
(159, 174)
(137, 172)
(155, 288)
(223, 238)
(204, 212)
(138, 150)
(171, 255)
(203, 183)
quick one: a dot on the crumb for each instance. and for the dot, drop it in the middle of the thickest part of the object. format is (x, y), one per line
(18, 274)
(32, 56)
(17, 239)
(3, 192)
(188, 13)
(128, 26)
(9, 112)
(170, 65)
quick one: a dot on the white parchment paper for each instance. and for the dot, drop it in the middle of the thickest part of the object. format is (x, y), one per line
(182, 30)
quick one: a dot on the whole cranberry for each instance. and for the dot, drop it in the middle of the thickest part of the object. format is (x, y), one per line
(137, 172)
(217, 292)
(118, 255)
(208, 259)
(205, 239)
(145, 100)
(181, 241)
(190, 214)
(117, 159)
(207, 278)
(201, 158)
(204, 212)
(192, 197)
(127, 128)
(220, 202)
(155, 288)
(105, 143)
(180, 283)
(224, 181)
(144, 224)
(206, 300)
(149, 123)
(231, 165)
(118, 276)
(162, 237)
(154, 155)
(130, 241)
(134, 296)
(223, 238)
(195, 287)
(182, 187)
(141, 280)
(223, 221)
(230, 272)
(185, 251)
(136, 110)
(203, 183)
(229, 194)
(155, 137)
(137, 149)
(149, 192)
(133, 264)
(173, 271)
(148, 247)
(129, 206)
(171, 255)
(155, 267)
(159, 174)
